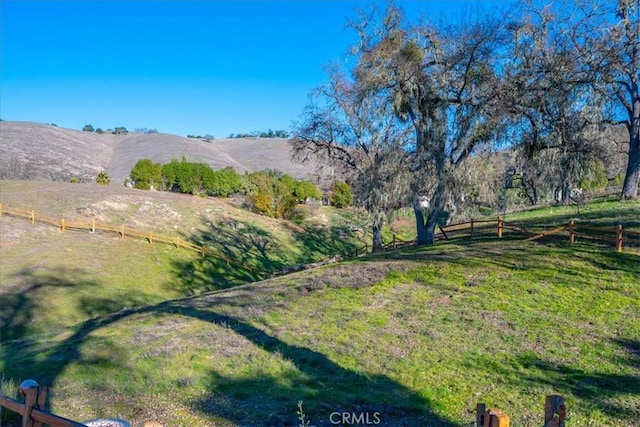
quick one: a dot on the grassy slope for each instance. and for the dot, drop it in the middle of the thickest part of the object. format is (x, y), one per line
(420, 335)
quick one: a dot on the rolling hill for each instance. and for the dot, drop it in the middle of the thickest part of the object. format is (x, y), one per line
(123, 328)
(41, 151)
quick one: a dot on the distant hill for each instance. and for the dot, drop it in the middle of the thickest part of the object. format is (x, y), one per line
(41, 151)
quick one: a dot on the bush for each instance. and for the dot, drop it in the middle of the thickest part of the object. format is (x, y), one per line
(146, 174)
(261, 203)
(341, 195)
(87, 128)
(99, 131)
(103, 178)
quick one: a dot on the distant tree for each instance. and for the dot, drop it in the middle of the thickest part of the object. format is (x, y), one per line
(152, 131)
(103, 178)
(121, 130)
(341, 195)
(87, 128)
(146, 174)
(99, 131)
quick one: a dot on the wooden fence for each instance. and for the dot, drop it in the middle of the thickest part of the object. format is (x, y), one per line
(470, 229)
(555, 414)
(34, 414)
(616, 236)
(33, 409)
(122, 230)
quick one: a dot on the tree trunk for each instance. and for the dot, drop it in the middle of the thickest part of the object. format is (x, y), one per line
(421, 228)
(377, 236)
(426, 230)
(630, 187)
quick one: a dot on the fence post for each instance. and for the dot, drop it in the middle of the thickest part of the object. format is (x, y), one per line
(177, 242)
(394, 240)
(40, 403)
(481, 410)
(202, 250)
(572, 232)
(472, 228)
(491, 417)
(555, 411)
(500, 225)
(33, 216)
(151, 237)
(122, 231)
(62, 225)
(619, 238)
(93, 226)
(30, 401)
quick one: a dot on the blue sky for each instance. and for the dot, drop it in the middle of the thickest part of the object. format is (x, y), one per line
(183, 67)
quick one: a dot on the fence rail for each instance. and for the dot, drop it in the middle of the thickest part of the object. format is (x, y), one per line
(32, 410)
(122, 230)
(471, 228)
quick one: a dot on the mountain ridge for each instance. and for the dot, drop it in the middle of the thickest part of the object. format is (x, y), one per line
(30, 150)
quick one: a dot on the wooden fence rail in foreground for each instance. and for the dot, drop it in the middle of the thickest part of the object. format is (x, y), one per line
(33, 409)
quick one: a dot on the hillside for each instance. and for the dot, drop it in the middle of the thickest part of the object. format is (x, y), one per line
(123, 328)
(39, 151)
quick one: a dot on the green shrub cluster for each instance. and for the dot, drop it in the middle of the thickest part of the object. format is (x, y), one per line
(270, 193)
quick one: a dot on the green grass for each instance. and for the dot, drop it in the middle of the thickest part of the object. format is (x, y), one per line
(420, 335)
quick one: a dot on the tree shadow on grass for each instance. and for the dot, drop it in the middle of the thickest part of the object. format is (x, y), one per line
(244, 253)
(600, 391)
(262, 399)
(259, 399)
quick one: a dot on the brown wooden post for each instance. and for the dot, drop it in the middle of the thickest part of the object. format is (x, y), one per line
(555, 411)
(472, 228)
(481, 410)
(33, 216)
(394, 240)
(500, 225)
(30, 401)
(62, 225)
(619, 238)
(491, 417)
(41, 402)
(122, 230)
(572, 232)
(177, 242)
(93, 226)
(202, 250)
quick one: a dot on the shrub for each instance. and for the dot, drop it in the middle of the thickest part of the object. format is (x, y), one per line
(261, 203)
(99, 131)
(103, 178)
(146, 174)
(87, 128)
(341, 195)
(75, 180)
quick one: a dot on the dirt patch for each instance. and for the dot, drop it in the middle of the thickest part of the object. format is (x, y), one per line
(355, 276)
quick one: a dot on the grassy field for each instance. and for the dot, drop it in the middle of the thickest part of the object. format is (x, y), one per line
(121, 328)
